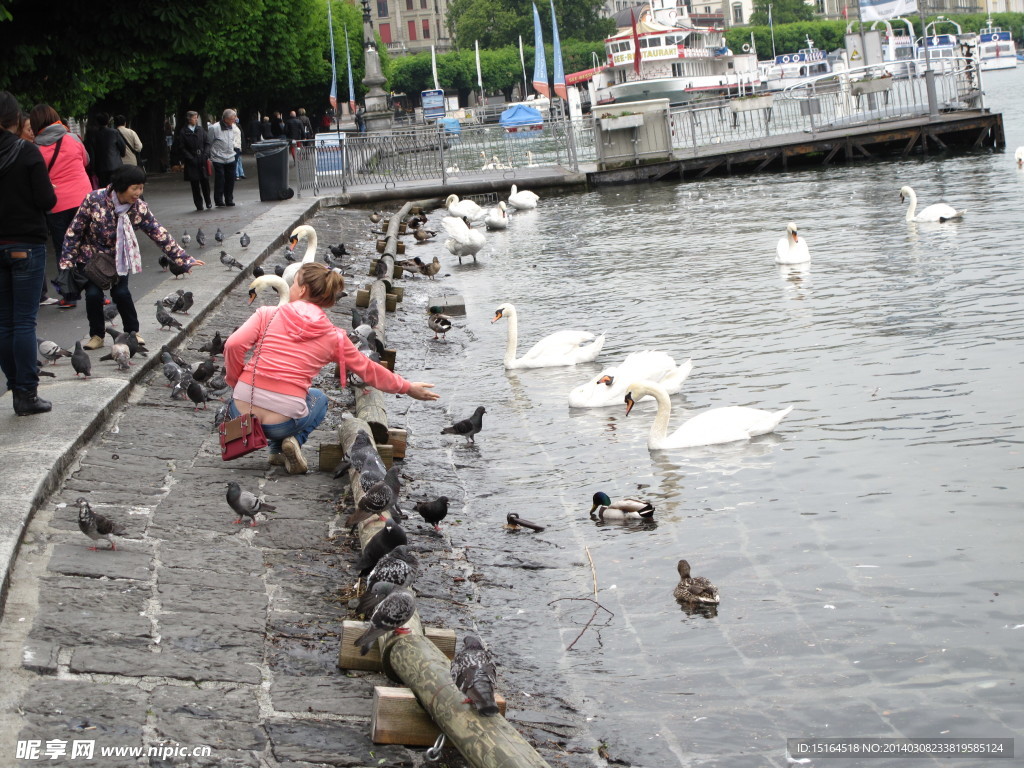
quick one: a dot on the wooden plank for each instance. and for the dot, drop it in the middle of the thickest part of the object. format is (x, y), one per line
(390, 302)
(398, 439)
(330, 455)
(910, 145)
(362, 298)
(397, 291)
(348, 652)
(828, 158)
(388, 359)
(764, 163)
(709, 168)
(398, 718)
(934, 137)
(981, 137)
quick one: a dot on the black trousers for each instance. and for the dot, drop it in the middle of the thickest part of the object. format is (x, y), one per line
(201, 192)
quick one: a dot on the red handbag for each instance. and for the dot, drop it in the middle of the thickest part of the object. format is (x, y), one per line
(244, 433)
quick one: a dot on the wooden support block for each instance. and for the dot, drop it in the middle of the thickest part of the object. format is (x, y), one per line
(388, 359)
(381, 245)
(348, 653)
(397, 271)
(386, 453)
(401, 247)
(362, 298)
(416, 210)
(390, 302)
(398, 718)
(449, 305)
(397, 291)
(331, 455)
(398, 439)
(402, 228)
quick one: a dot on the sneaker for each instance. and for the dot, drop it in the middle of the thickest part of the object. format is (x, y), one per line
(139, 338)
(48, 301)
(294, 463)
(65, 304)
(276, 460)
(96, 342)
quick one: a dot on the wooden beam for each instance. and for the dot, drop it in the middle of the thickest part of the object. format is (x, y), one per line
(398, 718)
(832, 153)
(981, 137)
(910, 144)
(709, 168)
(398, 439)
(350, 658)
(934, 137)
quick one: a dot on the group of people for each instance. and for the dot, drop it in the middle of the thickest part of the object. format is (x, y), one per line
(210, 151)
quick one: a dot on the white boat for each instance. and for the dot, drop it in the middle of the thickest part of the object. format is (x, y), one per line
(795, 68)
(995, 48)
(898, 50)
(942, 48)
(678, 61)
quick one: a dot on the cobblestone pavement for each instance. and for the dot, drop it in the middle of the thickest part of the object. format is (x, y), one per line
(200, 632)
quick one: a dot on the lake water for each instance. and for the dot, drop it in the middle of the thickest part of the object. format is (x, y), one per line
(868, 553)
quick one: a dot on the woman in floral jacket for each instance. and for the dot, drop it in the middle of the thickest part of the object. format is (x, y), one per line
(105, 224)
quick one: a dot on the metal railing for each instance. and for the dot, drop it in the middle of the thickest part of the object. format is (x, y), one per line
(862, 96)
(433, 153)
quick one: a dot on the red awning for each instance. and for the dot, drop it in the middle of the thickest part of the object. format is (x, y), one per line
(581, 77)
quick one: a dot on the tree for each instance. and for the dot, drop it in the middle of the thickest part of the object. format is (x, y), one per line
(783, 12)
(497, 23)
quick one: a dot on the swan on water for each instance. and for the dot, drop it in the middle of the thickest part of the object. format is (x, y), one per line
(464, 240)
(608, 387)
(523, 200)
(934, 212)
(560, 348)
(497, 218)
(270, 281)
(711, 427)
(791, 249)
(301, 231)
(459, 208)
(1019, 156)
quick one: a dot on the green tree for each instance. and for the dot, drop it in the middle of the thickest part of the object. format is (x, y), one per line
(497, 23)
(783, 12)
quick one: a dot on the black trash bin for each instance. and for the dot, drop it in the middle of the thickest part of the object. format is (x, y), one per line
(272, 169)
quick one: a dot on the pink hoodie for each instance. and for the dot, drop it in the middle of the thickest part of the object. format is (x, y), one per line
(300, 341)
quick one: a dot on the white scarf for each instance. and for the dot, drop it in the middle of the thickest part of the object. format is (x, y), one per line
(129, 258)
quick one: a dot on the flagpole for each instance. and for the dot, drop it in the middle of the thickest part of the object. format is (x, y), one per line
(351, 89)
(771, 26)
(334, 66)
(522, 60)
(479, 77)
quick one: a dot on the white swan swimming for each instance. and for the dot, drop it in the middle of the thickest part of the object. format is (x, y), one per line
(301, 231)
(270, 281)
(608, 387)
(935, 212)
(459, 208)
(464, 240)
(791, 249)
(1019, 156)
(711, 427)
(497, 218)
(560, 348)
(523, 200)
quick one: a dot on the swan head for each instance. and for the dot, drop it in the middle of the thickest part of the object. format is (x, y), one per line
(629, 401)
(600, 500)
(502, 206)
(500, 312)
(906, 192)
(264, 281)
(792, 232)
(451, 200)
(606, 380)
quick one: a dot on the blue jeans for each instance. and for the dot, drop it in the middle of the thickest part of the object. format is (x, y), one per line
(239, 171)
(121, 296)
(22, 271)
(300, 429)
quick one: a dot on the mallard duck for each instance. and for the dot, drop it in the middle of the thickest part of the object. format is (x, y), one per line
(438, 322)
(422, 234)
(459, 208)
(523, 200)
(560, 348)
(934, 212)
(376, 216)
(694, 590)
(464, 240)
(301, 231)
(430, 269)
(791, 249)
(620, 509)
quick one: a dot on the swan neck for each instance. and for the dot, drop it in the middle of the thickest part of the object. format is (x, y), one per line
(659, 429)
(311, 245)
(512, 336)
(912, 210)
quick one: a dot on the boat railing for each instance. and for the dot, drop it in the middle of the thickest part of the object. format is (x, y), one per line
(836, 101)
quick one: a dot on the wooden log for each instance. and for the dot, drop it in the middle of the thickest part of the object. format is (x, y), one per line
(398, 439)
(398, 718)
(348, 651)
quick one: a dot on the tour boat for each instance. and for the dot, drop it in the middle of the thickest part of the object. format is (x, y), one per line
(678, 61)
(794, 68)
(899, 51)
(995, 48)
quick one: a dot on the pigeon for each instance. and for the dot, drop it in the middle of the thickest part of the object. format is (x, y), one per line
(172, 372)
(474, 674)
(383, 541)
(393, 612)
(164, 318)
(95, 525)
(197, 394)
(166, 356)
(186, 303)
(372, 597)
(338, 250)
(246, 504)
(439, 323)
(377, 499)
(180, 387)
(201, 237)
(171, 300)
(289, 252)
(380, 269)
(164, 262)
(244, 240)
(186, 240)
(218, 236)
(214, 346)
(51, 350)
(258, 271)
(220, 416)
(81, 361)
(177, 270)
(229, 261)
(128, 338)
(399, 566)
(121, 354)
(204, 370)
(433, 511)
(467, 427)
(109, 312)
(279, 270)
(41, 372)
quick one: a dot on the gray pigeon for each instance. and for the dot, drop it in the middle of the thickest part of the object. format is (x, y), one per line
(381, 496)
(171, 300)
(373, 596)
(95, 525)
(81, 361)
(172, 372)
(390, 616)
(186, 239)
(51, 350)
(109, 312)
(383, 541)
(246, 504)
(229, 261)
(121, 354)
(180, 386)
(474, 674)
(214, 346)
(186, 303)
(201, 237)
(467, 427)
(204, 370)
(197, 394)
(399, 566)
(244, 240)
(218, 236)
(164, 317)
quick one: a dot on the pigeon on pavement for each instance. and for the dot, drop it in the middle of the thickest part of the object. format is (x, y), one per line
(467, 427)
(229, 261)
(433, 511)
(186, 303)
(393, 612)
(201, 237)
(474, 674)
(177, 270)
(120, 354)
(258, 271)
(109, 312)
(51, 350)
(383, 541)
(197, 394)
(81, 361)
(214, 346)
(246, 504)
(244, 240)
(218, 236)
(164, 317)
(186, 239)
(171, 299)
(95, 525)
(204, 370)
(164, 262)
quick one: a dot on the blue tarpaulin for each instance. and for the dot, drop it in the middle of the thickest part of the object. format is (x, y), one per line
(521, 115)
(451, 124)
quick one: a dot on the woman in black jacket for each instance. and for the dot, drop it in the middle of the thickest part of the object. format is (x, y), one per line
(26, 194)
(194, 148)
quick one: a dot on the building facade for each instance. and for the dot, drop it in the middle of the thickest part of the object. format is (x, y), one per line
(411, 26)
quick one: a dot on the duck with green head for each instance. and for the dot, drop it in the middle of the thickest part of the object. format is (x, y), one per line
(621, 509)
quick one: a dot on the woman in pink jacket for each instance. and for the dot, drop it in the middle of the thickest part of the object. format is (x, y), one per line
(298, 339)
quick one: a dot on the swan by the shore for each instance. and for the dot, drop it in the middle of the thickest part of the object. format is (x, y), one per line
(301, 231)
(459, 208)
(464, 240)
(608, 387)
(497, 218)
(712, 427)
(524, 200)
(270, 281)
(791, 249)
(1019, 156)
(560, 348)
(934, 212)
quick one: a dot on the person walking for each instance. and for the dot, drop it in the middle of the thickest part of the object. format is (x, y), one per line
(194, 148)
(66, 160)
(107, 149)
(239, 141)
(223, 137)
(104, 227)
(266, 129)
(307, 125)
(26, 194)
(131, 139)
(277, 126)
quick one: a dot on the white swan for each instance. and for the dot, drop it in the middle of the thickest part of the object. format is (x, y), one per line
(464, 240)
(560, 348)
(460, 208)
(714, 426)
(1019, 156)
(270, 281)
(935, 212)
(610, 385)
(306, 231)
(524, 200)
(791, 249)
(497, 218)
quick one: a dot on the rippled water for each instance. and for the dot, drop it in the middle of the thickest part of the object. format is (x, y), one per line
(868, 553)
